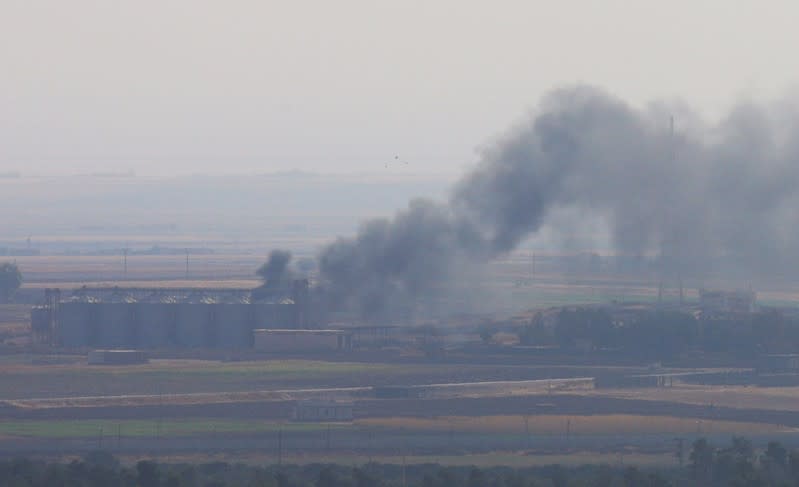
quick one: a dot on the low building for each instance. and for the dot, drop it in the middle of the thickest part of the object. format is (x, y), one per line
(117, 357)
(323, 410)
(287, 341)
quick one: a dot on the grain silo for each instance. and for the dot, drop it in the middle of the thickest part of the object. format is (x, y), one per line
(73, 324)
(234, 324)
(160, 318)
(192, 319)
(114, 319)
(154, 324)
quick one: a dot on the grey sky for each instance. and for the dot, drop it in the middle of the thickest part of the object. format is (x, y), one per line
(180, 86)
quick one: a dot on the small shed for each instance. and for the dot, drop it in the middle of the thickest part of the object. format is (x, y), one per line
(323, 410)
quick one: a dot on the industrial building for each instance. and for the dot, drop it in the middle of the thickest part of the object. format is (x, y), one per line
(137, 318)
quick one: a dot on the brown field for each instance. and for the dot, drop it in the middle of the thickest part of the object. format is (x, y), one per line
(70, 376)
(772, 398)
(160, 284)
(144, 270)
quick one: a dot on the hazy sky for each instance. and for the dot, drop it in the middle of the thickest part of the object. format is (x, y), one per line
(181, 86)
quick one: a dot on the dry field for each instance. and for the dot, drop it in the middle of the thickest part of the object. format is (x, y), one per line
(143, 270)
(744, 397)
(23, 381)
(70, 376)
(554, 426)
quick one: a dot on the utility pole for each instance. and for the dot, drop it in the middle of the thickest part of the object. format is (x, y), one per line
(370, 445)
(280, 446)
(160, 410)
(327, 439)
(680, 453)
(527, 430)
(404, 464)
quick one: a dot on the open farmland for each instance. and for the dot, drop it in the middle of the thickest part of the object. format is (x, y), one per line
(534, 426)
(500, 439)
(483, 403)
(183, 376)
(70, 376)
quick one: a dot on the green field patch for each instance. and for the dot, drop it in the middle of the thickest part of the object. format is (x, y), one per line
(91, 428)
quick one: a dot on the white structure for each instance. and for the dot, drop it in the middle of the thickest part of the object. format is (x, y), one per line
(301, 340)
(316, 410)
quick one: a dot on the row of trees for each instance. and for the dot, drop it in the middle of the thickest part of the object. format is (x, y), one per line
(738, 464)
(662, 334)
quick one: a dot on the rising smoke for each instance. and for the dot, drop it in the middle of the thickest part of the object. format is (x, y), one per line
(726, 190)
(276, 273)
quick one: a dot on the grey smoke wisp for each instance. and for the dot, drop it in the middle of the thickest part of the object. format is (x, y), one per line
(721, 190)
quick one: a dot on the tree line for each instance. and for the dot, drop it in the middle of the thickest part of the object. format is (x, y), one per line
(664, 334)
(704, 464)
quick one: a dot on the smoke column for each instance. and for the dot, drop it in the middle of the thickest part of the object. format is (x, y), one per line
(275, 272)
(726, 190)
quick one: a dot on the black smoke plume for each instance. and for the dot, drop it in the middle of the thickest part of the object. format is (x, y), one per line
(722, 192)
(276, 273)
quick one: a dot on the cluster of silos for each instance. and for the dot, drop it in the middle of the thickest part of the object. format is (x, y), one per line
(165, 324)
